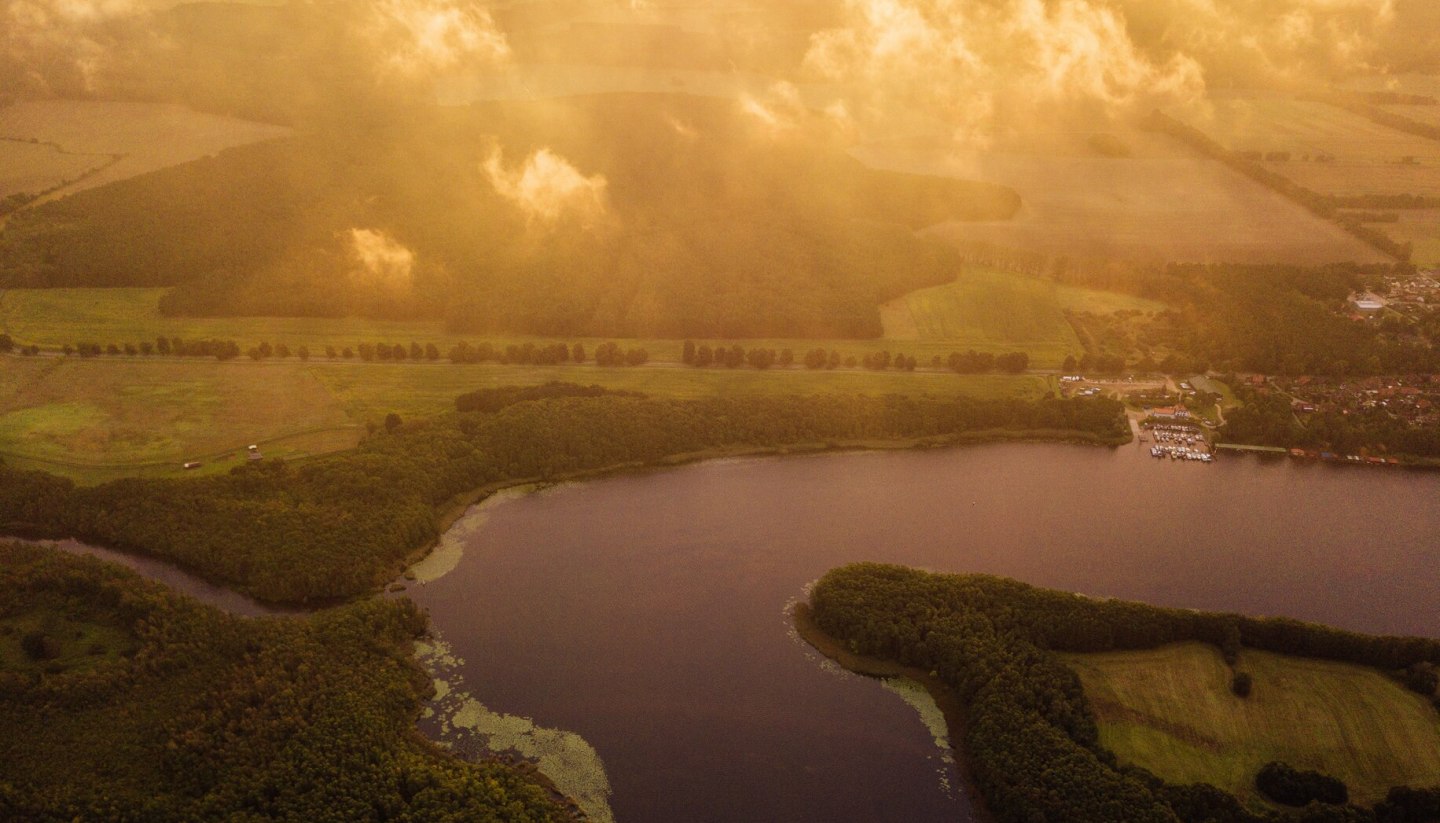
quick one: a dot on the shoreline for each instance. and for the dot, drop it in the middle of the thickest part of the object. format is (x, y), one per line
(945, 697)
(455, 509)
(448, 514)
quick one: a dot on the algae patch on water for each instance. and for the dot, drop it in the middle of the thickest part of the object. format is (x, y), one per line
(565, 758)
(919, 698)
(450, 548)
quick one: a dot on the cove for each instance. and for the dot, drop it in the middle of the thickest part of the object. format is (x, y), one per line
(645, 612)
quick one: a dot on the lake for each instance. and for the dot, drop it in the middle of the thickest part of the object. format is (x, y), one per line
(645, 613)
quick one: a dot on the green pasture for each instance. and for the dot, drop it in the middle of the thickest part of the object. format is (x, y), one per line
(994, 311)
(97, 419)
(1171, 711)
(52, 318)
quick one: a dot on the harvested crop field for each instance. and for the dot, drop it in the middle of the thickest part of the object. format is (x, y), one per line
(150, 136)
(28, 168)
(1364, 157)
(1421, 229)
(1161, 203)
(1424, 85)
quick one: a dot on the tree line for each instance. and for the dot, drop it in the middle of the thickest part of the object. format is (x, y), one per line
(1029, 733)
(341, 525)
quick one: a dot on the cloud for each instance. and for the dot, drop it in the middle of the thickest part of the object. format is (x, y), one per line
(779, 110)
(421, 38)
(380, 261)
(548, 189)
(1270, 41)
(59, 46)
(974, 64)
(983, 67)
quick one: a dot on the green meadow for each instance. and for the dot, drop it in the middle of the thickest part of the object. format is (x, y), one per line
(1031, 320)
(993, 311)
(1171, 711)
(97, 419)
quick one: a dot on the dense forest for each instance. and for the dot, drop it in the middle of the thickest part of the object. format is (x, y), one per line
(339, 526)
(595, 216)
(1028, 731)
(1272, 319)
(173, 711)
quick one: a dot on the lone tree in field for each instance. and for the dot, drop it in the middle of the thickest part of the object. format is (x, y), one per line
(392, 422)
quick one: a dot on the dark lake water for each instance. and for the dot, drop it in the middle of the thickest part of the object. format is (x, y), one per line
(646, 612)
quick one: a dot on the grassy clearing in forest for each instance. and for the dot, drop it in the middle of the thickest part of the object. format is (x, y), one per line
(1171, 711)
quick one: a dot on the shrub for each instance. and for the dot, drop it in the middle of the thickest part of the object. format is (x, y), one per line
(1240, 684)
(1422, 678)
(1290, 786)
(38, 646)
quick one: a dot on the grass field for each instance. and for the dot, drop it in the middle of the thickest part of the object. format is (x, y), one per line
(95, 420)
(1170, 710)
(75, 642)
(51, 318)
(986, 311)
(1162, 203)
(151, 135)
(993, 311)
(1367, 155)
(34, 167)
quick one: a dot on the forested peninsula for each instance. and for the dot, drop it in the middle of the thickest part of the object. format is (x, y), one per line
(1027, 729)
(340, 526)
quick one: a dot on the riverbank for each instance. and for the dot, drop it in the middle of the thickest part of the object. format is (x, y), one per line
(945, 697)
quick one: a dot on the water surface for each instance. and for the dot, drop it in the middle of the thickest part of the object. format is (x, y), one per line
(645, 612)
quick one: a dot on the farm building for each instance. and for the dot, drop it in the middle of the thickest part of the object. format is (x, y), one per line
(1367, 303)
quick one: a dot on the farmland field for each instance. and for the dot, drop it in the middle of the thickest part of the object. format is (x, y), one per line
(1170, 710)
(52, 318)
(90, 418)
(993, 311)
(1163, 202)
(27, 168)
(1421, 229)
(1367, 156)
(151, 136)
(1427, 85)
(95, 420)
